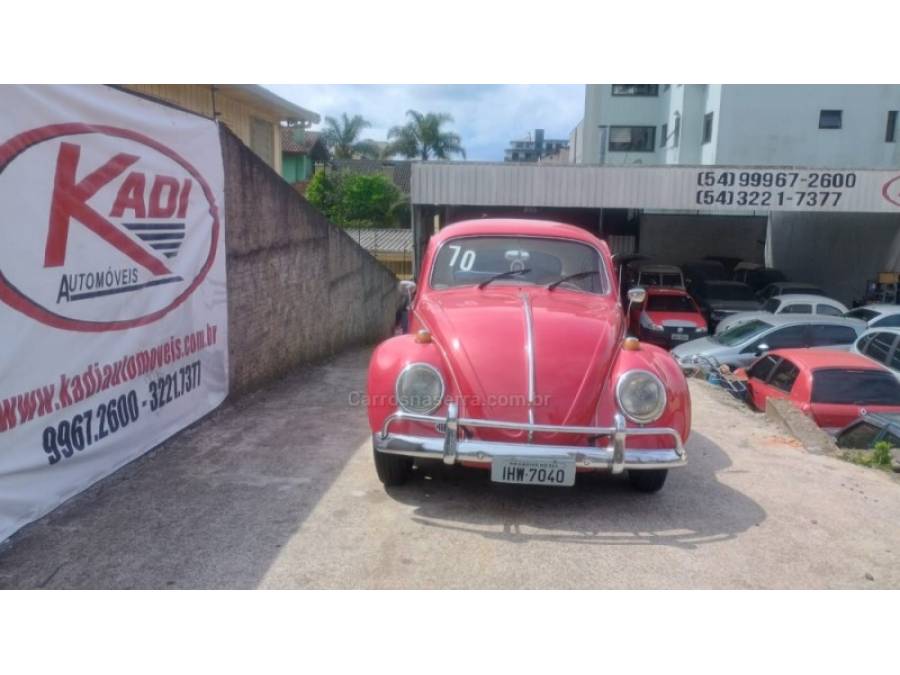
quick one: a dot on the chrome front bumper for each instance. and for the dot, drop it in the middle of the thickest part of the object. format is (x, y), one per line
(451, 449)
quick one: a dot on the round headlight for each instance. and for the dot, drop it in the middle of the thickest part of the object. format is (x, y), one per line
(641, 396)
(420, 388)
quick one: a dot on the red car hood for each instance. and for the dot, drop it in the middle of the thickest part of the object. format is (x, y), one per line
(677, 318)
(484, 337)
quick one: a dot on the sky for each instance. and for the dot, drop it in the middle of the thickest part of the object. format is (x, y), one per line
(487, 116)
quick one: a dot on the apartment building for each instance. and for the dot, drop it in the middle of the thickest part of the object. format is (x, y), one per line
(835, 126)
(534, 148)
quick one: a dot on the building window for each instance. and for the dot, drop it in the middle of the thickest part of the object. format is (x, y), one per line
(830, 119)
(262, 140)
(635, 90)
(663, 135)
(707, 127)
(631, 139)
(890, 136)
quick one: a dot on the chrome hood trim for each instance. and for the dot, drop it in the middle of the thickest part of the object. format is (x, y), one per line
(529, 355)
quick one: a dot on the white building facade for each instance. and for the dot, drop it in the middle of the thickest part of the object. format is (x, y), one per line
(833, 126)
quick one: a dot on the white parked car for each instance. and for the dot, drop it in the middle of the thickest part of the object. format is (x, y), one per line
(881, 345)
(660, 275)
(788, 288)
(787, 304)
(877, 315)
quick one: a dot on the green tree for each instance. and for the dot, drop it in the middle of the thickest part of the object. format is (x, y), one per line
(343, 137)
(423, 137)
(356, 199)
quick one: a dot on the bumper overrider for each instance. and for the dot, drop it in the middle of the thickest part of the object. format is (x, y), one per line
(614, 457)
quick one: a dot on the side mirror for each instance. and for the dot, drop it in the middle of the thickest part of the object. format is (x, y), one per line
(761, 348)
(636, 296)
(408, 288)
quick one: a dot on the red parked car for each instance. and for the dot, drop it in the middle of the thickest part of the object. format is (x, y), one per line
(517, 362)
(670, 317)
(833, 387)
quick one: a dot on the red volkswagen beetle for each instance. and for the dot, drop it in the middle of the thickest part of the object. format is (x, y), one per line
(517, 361)
(833, 387)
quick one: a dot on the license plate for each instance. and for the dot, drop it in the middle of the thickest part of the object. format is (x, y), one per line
(680, 337)
(559, 472)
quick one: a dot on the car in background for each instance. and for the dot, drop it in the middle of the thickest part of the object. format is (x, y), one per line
(699, 271)
(788, 288)
(742, 269)
(880, 345)
(871, 428)
(740, 346)
(728, 262)
(787, 304)
(761, 277)
(660, 275)
(832, 387)
(670, 316)
(877, 315)
(720, 299)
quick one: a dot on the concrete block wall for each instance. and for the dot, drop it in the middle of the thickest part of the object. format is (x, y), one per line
(299, 288)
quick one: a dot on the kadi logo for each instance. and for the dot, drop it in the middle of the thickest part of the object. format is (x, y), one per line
(101, 228)
(891, 191)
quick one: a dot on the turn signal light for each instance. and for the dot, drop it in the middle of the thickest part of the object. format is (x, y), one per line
(631, 344)
(423, 337)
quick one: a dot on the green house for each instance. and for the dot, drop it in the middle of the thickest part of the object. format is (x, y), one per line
(301, 150)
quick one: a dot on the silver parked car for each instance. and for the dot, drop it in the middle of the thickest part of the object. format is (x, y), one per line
(787, 304)
(739, 346)
(880, 345)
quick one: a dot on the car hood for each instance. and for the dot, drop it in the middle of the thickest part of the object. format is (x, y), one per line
(484, 337)
(734, 305)
(741, 317)
(703, 346)
(677, 318)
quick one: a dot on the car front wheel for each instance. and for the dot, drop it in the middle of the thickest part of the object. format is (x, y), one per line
(392, 469)
(648, 480)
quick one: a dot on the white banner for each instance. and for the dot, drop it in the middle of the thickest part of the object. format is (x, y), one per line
(113, 312)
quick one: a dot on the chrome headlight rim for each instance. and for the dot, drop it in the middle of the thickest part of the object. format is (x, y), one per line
(661, 403)
(404, 372)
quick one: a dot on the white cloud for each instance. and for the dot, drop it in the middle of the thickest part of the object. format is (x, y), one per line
(487, 116)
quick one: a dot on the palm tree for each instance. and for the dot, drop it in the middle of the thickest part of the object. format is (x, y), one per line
(342, 137)
(423, 137)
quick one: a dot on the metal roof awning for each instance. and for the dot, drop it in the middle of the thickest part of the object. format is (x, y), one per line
(688, 188)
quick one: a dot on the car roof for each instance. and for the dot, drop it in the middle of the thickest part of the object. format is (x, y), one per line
(666, 290)
(792, 284)
(819, 359)
(806, 297)
(880, 307)
(510, 227)
(725, 282)
(789, 319)
(660, 268)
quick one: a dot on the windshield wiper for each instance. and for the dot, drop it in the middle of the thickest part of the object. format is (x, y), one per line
(576, 275)
(502, 275)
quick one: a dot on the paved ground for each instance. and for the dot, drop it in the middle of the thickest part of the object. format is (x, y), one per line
(279, 490)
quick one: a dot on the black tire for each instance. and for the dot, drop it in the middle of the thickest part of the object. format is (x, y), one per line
(392, 469)
(648, 480)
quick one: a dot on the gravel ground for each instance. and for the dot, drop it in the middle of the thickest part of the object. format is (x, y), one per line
(278, 490)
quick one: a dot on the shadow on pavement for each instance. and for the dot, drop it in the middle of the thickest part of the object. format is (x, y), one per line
(211, 507)
(692, 509)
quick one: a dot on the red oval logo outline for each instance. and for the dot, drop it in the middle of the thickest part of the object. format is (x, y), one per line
(13, 297)
(884, 191)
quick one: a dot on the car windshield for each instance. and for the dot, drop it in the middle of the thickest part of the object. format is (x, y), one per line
(741, 333)
(728, 292)
(857, 387)
(771, 305)
(669, 303)
(472, 260)
(861, 313)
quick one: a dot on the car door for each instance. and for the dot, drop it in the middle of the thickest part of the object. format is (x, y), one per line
(831, 335)
(787, 337)
(758, 376)
(827, 310)
(780, 382)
